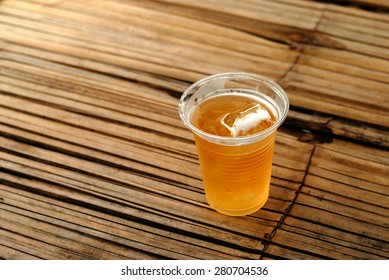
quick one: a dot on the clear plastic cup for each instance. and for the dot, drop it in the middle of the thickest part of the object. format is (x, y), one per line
(236, 168)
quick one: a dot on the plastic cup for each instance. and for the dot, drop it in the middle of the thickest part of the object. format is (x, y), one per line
(236, 170)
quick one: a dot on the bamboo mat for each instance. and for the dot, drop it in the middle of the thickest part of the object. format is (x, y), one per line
(96, 164)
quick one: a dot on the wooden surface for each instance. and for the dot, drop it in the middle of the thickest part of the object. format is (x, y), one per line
(96, 164)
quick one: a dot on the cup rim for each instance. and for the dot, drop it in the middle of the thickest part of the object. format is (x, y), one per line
(239, 140)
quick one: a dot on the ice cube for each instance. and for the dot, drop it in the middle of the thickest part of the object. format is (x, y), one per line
(239, 123)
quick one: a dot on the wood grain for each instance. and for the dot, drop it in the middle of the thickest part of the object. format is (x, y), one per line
(95, 162)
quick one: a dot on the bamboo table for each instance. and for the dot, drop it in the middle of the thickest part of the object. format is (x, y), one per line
(96, 164)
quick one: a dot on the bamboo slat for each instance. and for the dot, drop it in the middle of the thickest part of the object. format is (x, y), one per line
(342, 211)
(59, 144)
(318, 24)
(95, 162)
(371, 4)
(318, 58)
(49, 179)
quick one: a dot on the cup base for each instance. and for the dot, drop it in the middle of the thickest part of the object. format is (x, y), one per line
(238, 212)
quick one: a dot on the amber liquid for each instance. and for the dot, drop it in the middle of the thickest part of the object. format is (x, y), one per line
(236, 178)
